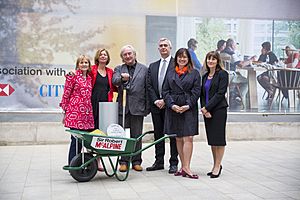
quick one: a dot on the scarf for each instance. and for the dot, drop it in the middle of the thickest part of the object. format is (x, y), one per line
(181, 71)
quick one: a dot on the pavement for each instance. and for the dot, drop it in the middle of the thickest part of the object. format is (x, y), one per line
(251, 170)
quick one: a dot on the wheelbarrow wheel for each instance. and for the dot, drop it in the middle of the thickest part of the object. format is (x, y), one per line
(88, 172)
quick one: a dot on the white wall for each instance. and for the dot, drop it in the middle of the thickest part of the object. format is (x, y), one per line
(253, 9)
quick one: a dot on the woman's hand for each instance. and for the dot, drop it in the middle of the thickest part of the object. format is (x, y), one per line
(203, 110)
(180, 109)
(207, 115)
(70, 73)
(63, 119)
(184, 108)
(176, 108)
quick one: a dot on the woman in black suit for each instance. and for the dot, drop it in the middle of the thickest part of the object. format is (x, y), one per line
(181, 91)
(214, 108)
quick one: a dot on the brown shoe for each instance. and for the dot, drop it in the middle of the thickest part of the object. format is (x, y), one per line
(123, 168)
(137, 168)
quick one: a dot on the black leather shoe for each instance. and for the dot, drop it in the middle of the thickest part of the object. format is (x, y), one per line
(173, 169)
(209, 174)
(155, 167)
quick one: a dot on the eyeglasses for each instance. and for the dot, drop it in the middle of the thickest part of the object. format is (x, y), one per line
(163, 45)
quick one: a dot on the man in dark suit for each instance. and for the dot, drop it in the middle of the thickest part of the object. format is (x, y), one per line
(156, 76)
(132, 76)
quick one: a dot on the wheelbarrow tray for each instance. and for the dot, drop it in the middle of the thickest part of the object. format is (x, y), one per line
(105, 145)
(84, 167)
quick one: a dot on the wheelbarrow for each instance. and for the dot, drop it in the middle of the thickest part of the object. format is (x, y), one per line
(84, 166)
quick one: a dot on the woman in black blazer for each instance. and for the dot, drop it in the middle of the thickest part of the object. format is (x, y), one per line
(214, 108)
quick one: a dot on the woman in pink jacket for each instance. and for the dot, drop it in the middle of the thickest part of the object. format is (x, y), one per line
(76, 102)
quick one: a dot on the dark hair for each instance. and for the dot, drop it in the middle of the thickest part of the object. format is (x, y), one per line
(266, 46)
(220, 43)
(96, 58)
(229, 42)
(192, 43)
(180, 52)
(215, 55)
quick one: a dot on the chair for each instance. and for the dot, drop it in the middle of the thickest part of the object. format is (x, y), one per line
(231, 86)
(285, 79)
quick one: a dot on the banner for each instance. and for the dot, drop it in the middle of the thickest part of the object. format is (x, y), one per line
(31, 87)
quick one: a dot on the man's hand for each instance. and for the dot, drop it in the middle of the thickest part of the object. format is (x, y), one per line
(160, 103)
(125, 76)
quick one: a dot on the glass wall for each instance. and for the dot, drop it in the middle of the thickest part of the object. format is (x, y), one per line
(250, 34)
(40, 40)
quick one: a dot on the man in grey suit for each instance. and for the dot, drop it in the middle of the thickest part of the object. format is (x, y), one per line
(132, 76)
(156, 76)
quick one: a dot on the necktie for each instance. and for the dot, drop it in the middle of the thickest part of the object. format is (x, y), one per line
(161, 76)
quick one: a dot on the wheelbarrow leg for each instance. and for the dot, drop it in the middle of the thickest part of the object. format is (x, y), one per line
(122, 176)
(112, 167)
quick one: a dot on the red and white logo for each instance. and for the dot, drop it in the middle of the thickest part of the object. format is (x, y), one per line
(6, 90)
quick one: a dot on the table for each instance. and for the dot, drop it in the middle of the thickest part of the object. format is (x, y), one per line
(252, 83)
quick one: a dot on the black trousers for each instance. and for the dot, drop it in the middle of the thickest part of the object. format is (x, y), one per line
(72, 150)
(158, 123)
(135, 123)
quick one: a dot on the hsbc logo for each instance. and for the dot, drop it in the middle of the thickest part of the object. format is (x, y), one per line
(6, 90)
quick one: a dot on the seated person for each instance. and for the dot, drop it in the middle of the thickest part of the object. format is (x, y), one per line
(264, 79)
(236, 58)
(292, 60)
(239, 83)
(221, 46)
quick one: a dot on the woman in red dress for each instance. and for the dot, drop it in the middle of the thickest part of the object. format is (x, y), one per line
(76, 102)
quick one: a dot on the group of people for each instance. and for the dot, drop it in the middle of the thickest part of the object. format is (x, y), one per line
(238, 84)
(267, 56)
(169, 88)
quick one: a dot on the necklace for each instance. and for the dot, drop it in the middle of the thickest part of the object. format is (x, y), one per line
(210, 76)
(102, 72)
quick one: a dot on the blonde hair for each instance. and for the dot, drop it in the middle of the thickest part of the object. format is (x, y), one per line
(83, 57)
(96, 58)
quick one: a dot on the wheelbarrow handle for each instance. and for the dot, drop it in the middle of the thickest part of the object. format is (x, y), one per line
(150, 145)
(150, 132)
(146, 133)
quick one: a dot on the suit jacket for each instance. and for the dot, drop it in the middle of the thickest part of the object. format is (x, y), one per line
(136, 96)
(217, 91)
(152, 83)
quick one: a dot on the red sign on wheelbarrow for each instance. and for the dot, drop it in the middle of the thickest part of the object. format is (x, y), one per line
(112, 144)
